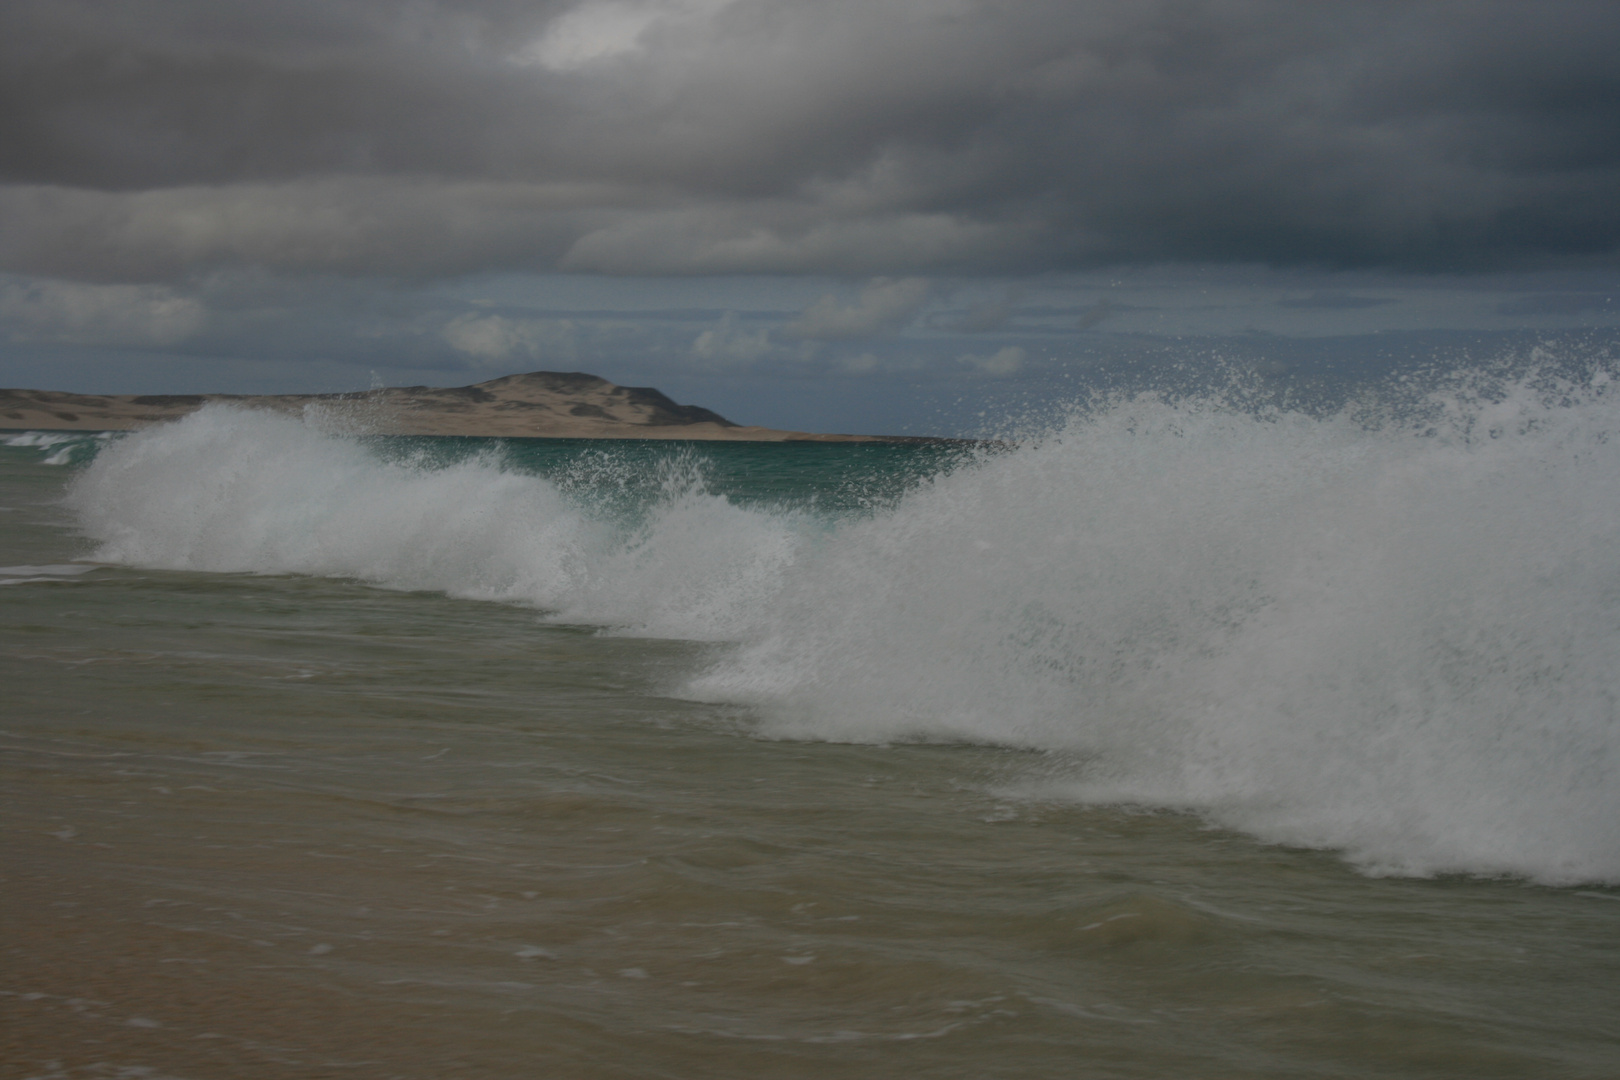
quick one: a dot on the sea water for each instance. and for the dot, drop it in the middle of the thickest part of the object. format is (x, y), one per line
(1189, 736)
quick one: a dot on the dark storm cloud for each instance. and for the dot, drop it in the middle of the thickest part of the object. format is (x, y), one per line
(1555, 304)
(142, 142)
(1334, 301)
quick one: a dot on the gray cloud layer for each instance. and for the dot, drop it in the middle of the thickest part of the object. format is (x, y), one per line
(143, 143)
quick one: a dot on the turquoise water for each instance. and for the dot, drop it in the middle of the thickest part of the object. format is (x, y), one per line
(1177, 742)
(835, 479)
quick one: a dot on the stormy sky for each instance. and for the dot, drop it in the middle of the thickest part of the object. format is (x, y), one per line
(812, 213)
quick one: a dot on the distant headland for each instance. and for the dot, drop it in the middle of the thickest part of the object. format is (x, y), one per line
(541, 404)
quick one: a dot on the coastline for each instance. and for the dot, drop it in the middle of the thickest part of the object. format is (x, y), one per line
(540, 404)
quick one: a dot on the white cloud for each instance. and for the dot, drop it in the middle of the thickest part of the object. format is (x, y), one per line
(784, 237)
(114, 315)
(726, 345)
(492, 340)
(884, 307)
(432, 228)
(1004, 361)
(350, 225)
(604, 29)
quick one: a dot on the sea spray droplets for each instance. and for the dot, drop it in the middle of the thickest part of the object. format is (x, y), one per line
(1398, 642)
(1403, 646)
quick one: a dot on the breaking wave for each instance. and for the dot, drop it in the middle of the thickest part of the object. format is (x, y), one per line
(1395, 638)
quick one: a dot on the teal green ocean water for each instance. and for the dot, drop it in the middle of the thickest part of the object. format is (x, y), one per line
(1177, 743)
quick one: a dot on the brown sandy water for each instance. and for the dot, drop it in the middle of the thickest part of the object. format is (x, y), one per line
(262, 826)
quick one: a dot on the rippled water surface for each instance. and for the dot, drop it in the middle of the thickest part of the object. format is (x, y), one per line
(338, 762)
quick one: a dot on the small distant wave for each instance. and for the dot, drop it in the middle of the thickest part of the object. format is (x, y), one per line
(24, 575)
(65, 447)
(1396, 638)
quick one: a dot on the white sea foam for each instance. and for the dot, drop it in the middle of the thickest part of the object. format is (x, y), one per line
(1398, 643)
(38, 438)
(28, 575)
(228, 490)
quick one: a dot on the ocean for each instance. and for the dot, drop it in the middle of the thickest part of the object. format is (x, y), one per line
(1186, 736)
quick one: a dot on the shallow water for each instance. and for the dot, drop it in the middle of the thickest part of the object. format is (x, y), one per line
(568, 821)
